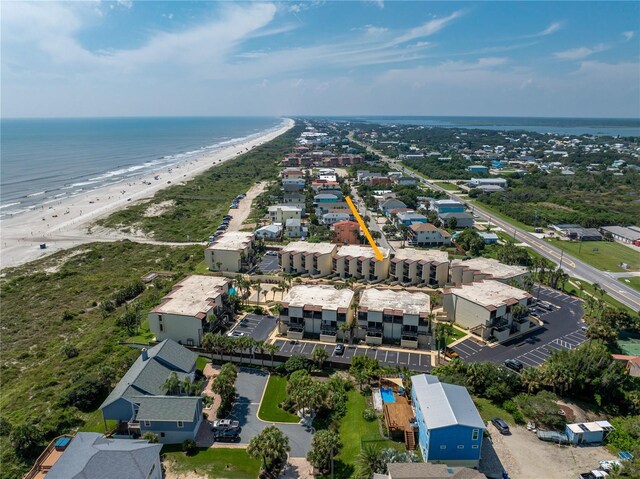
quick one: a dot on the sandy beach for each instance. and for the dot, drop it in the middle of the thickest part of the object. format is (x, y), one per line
(65, 224)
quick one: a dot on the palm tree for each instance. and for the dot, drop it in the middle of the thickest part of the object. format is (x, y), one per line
(260, 347)
(319, 356)
(268, 446)
(172, 384)
(208, 343)
(272, 349)
(368, 461)
(265, 293)
(258, 289)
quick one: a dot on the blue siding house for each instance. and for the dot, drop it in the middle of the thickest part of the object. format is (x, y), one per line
(450, 428)
(172, 418)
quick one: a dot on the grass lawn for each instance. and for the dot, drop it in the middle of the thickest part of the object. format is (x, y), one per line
(217, 462)
(489, 410)
(457, 334)
(275, 393)
(93, 422)
(144, 334)
(201, 362)
(498, 214)
(633, 282)
(608, 256)
(446, 186)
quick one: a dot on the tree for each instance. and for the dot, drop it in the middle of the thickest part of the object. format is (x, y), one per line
(25, 438)
(368, 461)
(272, 349)
(363, 369)
(130, 319)
(296, 362)
(324, 446)
(151, 437)
(470, 241)
(319, 356)
(189, 447)
(270, 446)
(69, 351)
(172, 384)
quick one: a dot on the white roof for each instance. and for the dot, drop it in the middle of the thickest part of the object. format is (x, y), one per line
(409, 303)
(490, 293)
(491, 266)
(358, 251)
(428, 255)
(319, 295)
(284, 208)
(232, 241)
(306, 247)
(194, 294)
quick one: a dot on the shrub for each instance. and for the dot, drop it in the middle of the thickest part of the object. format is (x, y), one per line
(68, 315)
(151, 437)
(518, 418)
(86, 394)
(297, 362)
(25, 438)
(258, 310)
(189, 447)
(69, 351)
(369, 414)
(5, 427)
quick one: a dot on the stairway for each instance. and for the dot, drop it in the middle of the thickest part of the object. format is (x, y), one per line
(409, 439)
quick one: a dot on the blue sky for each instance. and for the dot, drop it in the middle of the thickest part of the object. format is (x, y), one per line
(326, 58)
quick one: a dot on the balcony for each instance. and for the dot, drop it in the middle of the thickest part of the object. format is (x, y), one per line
(328, 335)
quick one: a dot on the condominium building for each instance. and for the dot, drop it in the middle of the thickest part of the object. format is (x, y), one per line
(360, 262)
(282, 213)
(301, 257)
(486, 309)
(315, 311)
(426, 234)
(190, 310)
(477, 269)
(230, 252)
(419, 266)
(386, 315)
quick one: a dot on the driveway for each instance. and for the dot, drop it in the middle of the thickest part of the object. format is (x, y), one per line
(250, 386)
(561, 330)
(269, 264)
(256, 326)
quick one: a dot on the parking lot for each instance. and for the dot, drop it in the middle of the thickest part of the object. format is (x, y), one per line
(561, 330)
(256, 326)
(413, 360)
(269, 264)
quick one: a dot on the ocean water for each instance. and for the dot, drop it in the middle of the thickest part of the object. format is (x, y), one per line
(47, 160)
(556, 126)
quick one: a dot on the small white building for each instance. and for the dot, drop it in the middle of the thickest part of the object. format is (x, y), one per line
(301, 257)
(315, 311)
(475, 182)
(419, 266)
(282, 213)
(360, 262)
(190, 310)
(230, 252)
(270, 232)
(294, 229)
(478, 269)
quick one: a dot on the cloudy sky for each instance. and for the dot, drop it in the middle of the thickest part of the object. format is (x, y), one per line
(320, 58)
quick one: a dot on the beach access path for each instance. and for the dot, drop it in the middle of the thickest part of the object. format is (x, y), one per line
(65, 224)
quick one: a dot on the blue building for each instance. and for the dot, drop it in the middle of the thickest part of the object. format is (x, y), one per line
(410, 217)
(450, 428)
(479, 169)
(172, 418)
(488, 238)
(447, 206)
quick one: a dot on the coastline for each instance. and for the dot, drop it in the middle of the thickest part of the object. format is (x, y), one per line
(64, 224)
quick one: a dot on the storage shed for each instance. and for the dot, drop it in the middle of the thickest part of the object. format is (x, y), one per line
(588, 432)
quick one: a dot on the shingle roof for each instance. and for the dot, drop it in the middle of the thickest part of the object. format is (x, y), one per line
(167, 408)
(423, 470)
(92, 456)
(444, 404)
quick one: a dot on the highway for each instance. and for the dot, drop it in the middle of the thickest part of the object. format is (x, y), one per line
(572, 266)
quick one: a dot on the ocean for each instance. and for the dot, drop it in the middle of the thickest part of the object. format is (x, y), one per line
(47, 160)
(555, 126)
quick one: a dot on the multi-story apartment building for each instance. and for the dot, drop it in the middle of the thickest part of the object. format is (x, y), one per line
(360, 262)
(314, 259)
(418, 266)
(392, 316)
(426, 234)
(230, 252)
(315, 311)
(282, 213)
(477, 269)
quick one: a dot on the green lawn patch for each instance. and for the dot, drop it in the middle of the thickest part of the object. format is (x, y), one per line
(587, 289)
(275, 393)
(633, 282)
(201, 362)
(494, 212)
(144, 334)
(455, 335)
(217, 462)
(446, 186)
(489, 410)
(629, 344)
(607, 257)
(93, 422)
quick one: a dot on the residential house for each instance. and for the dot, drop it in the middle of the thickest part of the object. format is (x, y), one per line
(419, 266)
(147, 377)
(315, 311)
(294, 228)
(347, 232)
(478, 269)
(450, 428)
(293, 184)
(281, 213)
(91, 455)
(478, 169)
(293, 198)
(324, 198)
(392, 316)
(270, 232)
(292, 174)
(489, 188)
(329, 219)
(425, 470)
(488, 238)
(462, 220)
(191, 309)
(376, 180)
(476, 182)
(486, 309)
(232, 252)
(426, 234)
(174, 419)
(360, 262)
(409, 218)
(390, 204)
(406, 181)
(447, 206)
(301, 257)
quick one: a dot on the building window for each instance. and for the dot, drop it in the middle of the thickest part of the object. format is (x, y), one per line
(475, 447)
(161, 327)
(180, 424)
(147, 423)
(162, 434)
(460, 446)
(443, 447)
(160, 318)
(475, 434)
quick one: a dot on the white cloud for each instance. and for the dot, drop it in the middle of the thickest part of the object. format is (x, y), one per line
(628, 35)
(580, 52)
(378, 3)
(552, 28)
(428, 28)
(125, 3)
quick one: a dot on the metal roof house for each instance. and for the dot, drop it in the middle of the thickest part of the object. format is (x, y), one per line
(450, 428)
(139, 402)
(588, 432)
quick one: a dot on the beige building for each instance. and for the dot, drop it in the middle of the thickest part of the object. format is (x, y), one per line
(478, 269)
(189, 310)
(282, 213)
(315, 311)
(485, 308)
(360, 262)
(301, 257)
(392, 316)
(230, 252)
(418, 266)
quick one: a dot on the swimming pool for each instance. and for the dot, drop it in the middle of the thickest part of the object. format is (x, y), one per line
(232, 291)
(387, 395)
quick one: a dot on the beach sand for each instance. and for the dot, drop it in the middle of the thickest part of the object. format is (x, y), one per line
(64, 224)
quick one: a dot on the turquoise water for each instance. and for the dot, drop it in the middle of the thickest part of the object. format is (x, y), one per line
(387, 395)
(47, 160)
(232, 291)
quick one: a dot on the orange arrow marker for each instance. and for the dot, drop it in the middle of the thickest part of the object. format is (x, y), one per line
(365, 230)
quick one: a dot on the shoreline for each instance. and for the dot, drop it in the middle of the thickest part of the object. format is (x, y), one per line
(64, 224)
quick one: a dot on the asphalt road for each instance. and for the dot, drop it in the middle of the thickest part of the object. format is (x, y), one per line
(574, 267)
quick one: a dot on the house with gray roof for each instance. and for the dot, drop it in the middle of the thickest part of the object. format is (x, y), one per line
(450, 428)
(90, 455)
(172, 418)
(146, 378)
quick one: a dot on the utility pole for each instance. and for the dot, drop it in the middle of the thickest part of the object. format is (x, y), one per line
(561, 256)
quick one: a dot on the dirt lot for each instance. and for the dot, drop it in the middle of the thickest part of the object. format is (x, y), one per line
(524, 456)
(244, 207)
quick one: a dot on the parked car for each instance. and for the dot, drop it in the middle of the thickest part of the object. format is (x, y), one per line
(514, 364)
(271, 253)
(224, 425)
(235, 334)
(450, 353)
(227, 217)
(339, 351)
(500, 425)
(230, 435)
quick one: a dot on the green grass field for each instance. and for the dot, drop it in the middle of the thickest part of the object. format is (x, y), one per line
(588, 288)
(608, 256)
(489, 410)
(446, 186)
(502, 216)
(633, 282)
(275, 393)
(457, 334)
(213, 463)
